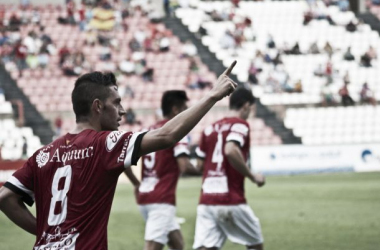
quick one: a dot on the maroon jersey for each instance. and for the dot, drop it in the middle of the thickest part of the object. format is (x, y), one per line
(160, 173)
(73, 181)
(222, 184)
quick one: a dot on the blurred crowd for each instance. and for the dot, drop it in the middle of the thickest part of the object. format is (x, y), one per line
(278, 79)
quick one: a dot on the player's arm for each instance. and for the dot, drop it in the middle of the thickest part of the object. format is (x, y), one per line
(236, 159)
(132, 177)
(186, 167)
(182, 124)
(200, 164)
(12, 205)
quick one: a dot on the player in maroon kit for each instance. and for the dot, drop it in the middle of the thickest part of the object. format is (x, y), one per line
(73, 179)
(223, 152)
(160, 173)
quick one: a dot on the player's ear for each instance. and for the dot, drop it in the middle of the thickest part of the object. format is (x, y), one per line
(97, 106)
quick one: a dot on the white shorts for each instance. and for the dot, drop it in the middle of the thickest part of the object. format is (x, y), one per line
(215, 224)
(160, 221)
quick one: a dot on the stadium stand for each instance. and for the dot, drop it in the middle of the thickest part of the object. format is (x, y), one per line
(280, 37)
(15, 142)
(335, 125)
(46, 75)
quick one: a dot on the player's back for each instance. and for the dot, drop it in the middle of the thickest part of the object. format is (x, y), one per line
(74, 180)
(222, 184)
(160, 173)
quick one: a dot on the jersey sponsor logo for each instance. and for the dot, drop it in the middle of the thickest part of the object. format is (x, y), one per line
(42, 158)
(124, 150)
(58, 240)
(113, 138)
(76, 154)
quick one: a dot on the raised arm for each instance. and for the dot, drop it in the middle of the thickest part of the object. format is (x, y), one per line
(236, 159)
(182, 124)
(14, 208)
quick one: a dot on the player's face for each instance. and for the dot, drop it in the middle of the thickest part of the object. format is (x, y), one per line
(112, 111)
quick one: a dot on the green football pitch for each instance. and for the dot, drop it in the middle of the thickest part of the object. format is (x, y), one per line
(304, 212)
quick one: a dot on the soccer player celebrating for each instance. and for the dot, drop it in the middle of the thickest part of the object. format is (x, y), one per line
(223, 153)
(160, 173)
(73, 179)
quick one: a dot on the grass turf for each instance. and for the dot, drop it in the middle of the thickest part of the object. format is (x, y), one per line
(313, 212)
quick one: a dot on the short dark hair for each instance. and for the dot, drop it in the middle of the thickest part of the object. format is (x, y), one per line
(240, 97)
(89, 87)
(172, 98)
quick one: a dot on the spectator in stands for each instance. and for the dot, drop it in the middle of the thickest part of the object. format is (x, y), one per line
(189, 49)
(343, 5)
(130, 117)
(314, 48)
(4, 38)
(307, 17)
(346, 78)
(348, 56)
(227, 41)
(270, 42)
(164, 43)
(328, 49)
(128, 92)
(82, 16)
(140, 36)
(372, 53)
(14, 21)
(6, 53)
(134, 45)
(277, 60)
(252, 74)
(193, 65)
(58, 126)
(21, 52)
(127, 66)
(319, 71)
(295, 50)
(327, 95)
(70, 10)
(351, 27)
(24, 152)
(298, 87)
(105, 53)
(45, 38)
(272, 85)
(366, 95)
(365, 60)
(36, 16)
(32, 61)
(63, 53)
(329, 69)
(91, 37)
(147, 74)
(198, 82)
(345, 95)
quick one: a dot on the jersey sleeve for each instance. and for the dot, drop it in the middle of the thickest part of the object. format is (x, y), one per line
(22, 182)
(182, 147)
(119, 149)
(200, 151)
(239, 133)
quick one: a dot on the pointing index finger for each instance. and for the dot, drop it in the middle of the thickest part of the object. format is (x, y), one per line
(229, 69)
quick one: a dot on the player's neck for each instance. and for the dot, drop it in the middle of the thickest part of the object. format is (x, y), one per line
(235, 113)
(80, 126)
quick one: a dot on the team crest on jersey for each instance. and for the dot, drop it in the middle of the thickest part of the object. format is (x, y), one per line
(42, 158)
(113, 138)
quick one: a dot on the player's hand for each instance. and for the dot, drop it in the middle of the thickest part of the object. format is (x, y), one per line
(259, 179)
(224, 85)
